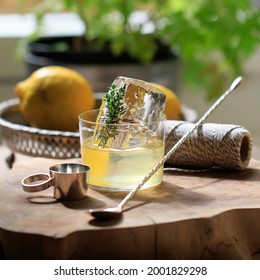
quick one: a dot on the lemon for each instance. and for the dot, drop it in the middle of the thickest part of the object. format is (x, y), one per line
(52, 97)
(173, 104)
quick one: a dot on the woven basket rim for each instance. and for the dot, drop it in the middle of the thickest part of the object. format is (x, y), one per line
(16, 135)
(188, 113)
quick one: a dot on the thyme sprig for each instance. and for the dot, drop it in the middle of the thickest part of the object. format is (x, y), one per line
(115, 108)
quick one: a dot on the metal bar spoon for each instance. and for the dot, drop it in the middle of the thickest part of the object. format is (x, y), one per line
(113, 212)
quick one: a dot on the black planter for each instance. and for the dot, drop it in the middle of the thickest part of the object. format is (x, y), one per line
(99, 66)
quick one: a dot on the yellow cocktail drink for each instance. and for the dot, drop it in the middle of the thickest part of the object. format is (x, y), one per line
(114, 169)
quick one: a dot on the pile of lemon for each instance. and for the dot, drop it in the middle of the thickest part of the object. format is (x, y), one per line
(53, 97)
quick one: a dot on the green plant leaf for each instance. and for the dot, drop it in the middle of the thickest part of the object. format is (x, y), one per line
(213, 37)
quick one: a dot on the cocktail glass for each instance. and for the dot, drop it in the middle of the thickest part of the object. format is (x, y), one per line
(126, 158)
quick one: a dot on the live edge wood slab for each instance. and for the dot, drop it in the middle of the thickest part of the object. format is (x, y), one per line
(212, 215)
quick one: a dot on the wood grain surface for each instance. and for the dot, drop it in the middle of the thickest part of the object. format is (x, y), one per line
(211, 215)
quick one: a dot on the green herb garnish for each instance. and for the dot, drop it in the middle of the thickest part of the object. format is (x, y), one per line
(115, 108)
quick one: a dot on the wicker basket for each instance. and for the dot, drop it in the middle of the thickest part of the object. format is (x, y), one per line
(20, 137)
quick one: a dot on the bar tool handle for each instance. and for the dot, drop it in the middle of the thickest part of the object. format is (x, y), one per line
(37, 182)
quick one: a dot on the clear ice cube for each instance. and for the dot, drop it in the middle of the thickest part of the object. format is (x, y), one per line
(144, 105)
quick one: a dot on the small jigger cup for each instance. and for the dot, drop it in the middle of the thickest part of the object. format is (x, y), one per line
(69, 180)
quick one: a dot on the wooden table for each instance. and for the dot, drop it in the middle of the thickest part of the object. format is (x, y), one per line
(213, 215)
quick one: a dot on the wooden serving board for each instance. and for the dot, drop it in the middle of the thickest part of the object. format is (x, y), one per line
(211, 215)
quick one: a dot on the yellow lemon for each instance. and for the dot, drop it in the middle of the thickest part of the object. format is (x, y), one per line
(173, 104)
(53, 97)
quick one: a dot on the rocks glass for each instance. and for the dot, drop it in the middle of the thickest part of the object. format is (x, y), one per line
(127, 157)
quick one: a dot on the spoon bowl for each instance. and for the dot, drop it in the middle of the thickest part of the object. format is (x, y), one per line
(106, 213)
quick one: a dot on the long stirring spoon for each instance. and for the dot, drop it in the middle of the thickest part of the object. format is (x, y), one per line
(113, 212)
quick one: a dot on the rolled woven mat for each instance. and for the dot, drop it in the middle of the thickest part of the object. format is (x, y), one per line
(211, 145)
